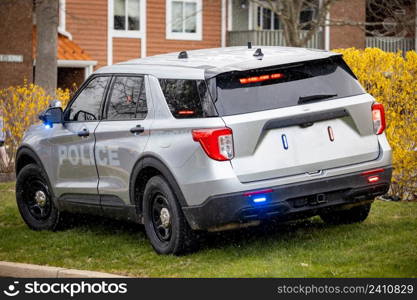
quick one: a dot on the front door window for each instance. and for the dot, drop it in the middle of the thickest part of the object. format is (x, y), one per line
(86, 107)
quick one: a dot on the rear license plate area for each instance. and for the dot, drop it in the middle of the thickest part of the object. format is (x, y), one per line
(312, 200)
(316, 199)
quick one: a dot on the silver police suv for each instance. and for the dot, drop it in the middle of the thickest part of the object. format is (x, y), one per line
(208, 140)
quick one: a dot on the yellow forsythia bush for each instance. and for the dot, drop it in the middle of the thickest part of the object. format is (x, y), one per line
(392, 79)
(20, 106)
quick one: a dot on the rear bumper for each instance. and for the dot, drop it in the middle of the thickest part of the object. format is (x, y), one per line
(287, 201)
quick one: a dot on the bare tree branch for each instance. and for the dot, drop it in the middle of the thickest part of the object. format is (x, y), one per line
(384, 17)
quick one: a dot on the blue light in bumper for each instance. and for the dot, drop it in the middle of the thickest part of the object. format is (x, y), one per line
(259, 196)
(259, 199)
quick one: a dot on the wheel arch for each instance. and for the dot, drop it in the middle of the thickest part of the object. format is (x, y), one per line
(25, 156)
(147, 167)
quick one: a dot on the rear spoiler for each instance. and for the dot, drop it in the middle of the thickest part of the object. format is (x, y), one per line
(263, 65)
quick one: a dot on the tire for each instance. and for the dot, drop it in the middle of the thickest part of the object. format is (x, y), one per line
(34, 199)
(165, 224)
(353, 215)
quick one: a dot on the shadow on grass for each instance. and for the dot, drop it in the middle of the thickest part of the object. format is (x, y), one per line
(100, 224)
(266, 232)
(271, 230)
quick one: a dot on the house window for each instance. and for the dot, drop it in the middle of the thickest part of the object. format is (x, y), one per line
(306, 16)
(126, 16)
(184, 19)
(266, 19)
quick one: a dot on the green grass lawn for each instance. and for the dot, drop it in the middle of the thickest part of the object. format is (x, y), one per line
(385, 245)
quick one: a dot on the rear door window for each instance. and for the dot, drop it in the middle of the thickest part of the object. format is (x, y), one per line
(283, 86)
(188, 98)
(127, 99)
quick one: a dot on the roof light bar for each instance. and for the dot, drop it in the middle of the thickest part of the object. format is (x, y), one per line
(185, 112)
(261, 78)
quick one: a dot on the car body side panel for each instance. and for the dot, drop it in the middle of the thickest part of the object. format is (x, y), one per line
(36, 138)
(72, 169)
(75, 162)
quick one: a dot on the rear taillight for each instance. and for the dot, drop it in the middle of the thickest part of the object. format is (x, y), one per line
(217, 143)
(378, 118)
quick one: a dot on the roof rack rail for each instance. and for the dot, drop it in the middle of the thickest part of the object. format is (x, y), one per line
(183, 55)
(258, 53)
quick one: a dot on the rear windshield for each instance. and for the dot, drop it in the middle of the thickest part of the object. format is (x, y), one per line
(283, 86)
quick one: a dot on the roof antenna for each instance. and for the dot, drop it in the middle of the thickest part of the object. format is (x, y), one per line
(258, 53)
(249, 45)
(183, 54)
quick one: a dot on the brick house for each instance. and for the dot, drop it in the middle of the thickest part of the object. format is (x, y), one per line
(96, 33)
(117, 30)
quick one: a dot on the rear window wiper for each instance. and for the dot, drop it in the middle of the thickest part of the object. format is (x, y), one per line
(305, 99)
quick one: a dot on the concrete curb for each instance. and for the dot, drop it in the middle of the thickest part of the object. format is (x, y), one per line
(19, 270)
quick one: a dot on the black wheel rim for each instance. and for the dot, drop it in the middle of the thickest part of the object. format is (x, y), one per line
(161, 217)
(37, 199)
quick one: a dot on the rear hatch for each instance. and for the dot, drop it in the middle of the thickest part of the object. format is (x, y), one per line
(295, 119)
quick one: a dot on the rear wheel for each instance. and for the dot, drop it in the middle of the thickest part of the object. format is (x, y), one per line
(34, 199)
(165, 224)
(353, 215)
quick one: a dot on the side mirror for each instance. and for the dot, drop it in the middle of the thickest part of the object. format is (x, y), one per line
(52, 115)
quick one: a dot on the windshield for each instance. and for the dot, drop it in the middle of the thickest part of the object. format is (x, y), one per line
(283, 86)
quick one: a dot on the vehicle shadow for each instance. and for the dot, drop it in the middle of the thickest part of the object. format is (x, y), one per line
(271, 230)
(100, 223)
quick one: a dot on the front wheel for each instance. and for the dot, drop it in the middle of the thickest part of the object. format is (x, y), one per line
(353, 215)
(165, 224)
(34, 199)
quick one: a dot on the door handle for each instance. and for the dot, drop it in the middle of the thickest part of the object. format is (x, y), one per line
(84, 132)
(137, 129)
